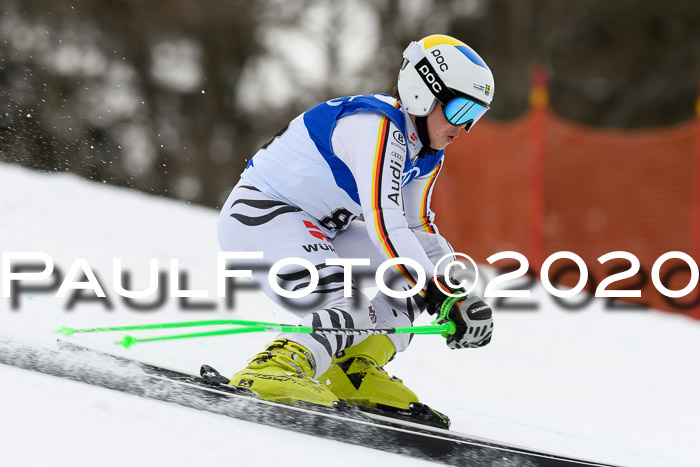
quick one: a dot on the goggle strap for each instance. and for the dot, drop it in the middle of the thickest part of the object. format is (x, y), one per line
(420, 62)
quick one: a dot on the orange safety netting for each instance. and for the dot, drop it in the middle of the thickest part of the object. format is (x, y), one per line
(541, 184)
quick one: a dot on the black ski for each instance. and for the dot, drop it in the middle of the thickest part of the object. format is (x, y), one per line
(342, 423)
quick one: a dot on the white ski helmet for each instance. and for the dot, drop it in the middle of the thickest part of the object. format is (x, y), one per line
(442, 68)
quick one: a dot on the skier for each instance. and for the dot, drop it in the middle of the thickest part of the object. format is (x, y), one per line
(300, 196)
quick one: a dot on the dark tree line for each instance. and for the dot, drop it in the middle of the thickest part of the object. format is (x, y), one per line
(172, 97)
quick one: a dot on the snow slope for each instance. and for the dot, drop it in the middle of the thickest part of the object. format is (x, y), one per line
(618, 387)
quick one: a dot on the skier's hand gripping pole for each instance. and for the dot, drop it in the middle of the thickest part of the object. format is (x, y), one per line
(472, 317)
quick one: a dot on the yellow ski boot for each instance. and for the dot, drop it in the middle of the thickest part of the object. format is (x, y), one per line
(358, 378)
(284, 373)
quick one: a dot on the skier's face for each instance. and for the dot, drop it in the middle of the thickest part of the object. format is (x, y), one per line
(441, 131)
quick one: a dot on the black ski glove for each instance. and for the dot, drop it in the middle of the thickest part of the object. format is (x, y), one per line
(473, 318)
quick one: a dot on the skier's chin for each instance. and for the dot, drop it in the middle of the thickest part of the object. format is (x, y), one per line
(442, 146)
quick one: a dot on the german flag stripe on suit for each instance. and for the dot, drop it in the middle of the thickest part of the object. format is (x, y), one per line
(377, 176)
(427, 225)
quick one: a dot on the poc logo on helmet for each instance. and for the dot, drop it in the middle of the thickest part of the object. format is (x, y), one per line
(439, 59)
(430, 78)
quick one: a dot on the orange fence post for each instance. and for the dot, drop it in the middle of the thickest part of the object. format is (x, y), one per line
(539, 99)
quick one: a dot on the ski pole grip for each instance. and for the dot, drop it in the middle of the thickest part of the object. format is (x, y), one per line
(447, 306)
(444, 316)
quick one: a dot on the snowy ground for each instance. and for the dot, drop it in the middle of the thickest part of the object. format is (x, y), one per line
(613, 387)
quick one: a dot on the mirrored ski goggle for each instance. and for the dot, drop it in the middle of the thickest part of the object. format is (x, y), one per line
(461, 110)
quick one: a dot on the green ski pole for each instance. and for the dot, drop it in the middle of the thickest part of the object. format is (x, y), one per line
(448, 328)
(68, 331)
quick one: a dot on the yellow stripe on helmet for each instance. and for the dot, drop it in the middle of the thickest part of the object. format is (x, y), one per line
(439, 39)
